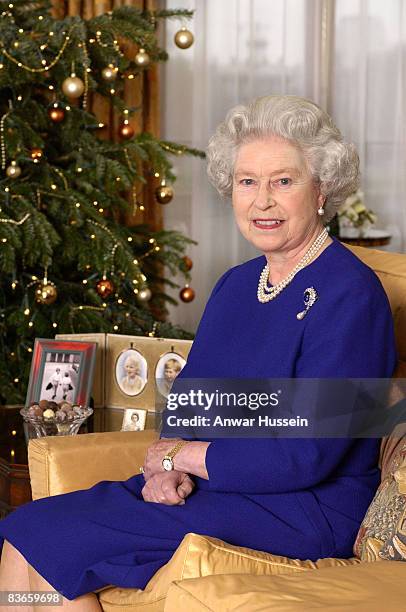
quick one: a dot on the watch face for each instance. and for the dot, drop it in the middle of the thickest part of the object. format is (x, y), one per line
(167, 464)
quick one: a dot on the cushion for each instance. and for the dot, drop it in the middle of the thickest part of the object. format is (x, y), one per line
(382, 534)
(199, 556)
(368, 587)
(392, 444)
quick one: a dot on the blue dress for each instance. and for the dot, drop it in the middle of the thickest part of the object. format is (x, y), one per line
(303, 498)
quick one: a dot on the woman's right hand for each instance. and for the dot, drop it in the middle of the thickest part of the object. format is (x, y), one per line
(170, 488)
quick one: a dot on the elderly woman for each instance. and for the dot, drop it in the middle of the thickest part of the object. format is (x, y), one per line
(287, 169)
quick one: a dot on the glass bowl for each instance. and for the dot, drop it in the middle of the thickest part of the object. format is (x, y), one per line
(56, 426)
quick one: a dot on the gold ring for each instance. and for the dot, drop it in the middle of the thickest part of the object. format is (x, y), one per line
(142, 469)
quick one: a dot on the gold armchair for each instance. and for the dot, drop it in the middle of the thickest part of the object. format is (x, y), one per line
(206, 573)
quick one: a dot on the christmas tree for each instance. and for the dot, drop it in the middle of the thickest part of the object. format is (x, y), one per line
(69, 261)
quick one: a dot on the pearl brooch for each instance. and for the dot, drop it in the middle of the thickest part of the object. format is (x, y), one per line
(310, 296)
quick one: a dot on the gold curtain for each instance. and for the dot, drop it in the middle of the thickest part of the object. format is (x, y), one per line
(142, 92)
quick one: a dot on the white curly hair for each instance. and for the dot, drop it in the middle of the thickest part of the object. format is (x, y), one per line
(333, 163)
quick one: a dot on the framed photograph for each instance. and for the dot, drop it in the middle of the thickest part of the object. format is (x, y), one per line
(134, 419)
(168, 367)
(61, 370)
(99, 375)
(131, 371)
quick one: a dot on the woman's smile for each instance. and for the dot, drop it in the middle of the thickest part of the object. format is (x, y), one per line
(267, 224)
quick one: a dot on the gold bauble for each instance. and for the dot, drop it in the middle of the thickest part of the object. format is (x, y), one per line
(144, 295)
(164, 194)
(13, 170)
(73, 86)
(46, 293)
(56, 114)
(36, 153)
(187, 294)
(184, 39)
(142, 58)
(109, 73)
(126, 131)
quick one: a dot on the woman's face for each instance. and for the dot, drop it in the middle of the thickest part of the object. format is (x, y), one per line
(275, 199)
(132, 369)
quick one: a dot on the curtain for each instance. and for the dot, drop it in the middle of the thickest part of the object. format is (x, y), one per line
(142, 92)
(242, 49)
(369, 102)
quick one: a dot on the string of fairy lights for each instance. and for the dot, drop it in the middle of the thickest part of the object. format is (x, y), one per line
(75, 87)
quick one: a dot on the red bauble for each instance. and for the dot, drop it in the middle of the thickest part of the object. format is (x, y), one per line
(187, 294)
(104, 287)
(188, 262)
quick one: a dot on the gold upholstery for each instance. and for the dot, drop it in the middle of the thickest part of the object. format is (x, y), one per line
(368, 587)
(205, 573)
(69, 463)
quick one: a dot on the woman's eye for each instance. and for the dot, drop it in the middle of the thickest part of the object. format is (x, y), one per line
(283, 182)
(247, 182)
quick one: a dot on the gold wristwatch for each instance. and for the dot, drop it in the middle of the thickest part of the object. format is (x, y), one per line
(167, 461)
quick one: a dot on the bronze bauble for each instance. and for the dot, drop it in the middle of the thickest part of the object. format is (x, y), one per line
(188, 262)
(164, 194)
(56, 114)
(126, 131)
(187, 294)
(104, 287)
(36, 153)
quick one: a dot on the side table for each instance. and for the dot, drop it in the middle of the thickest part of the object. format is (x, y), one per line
(15, 487)
(372, 238)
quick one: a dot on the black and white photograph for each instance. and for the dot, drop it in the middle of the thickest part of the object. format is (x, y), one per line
(61, 371)
(131, 372)
(60, 377)
(134, 420)
(167, 369)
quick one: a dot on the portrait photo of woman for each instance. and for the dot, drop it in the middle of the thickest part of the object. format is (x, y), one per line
(133, 420)
(131, 372)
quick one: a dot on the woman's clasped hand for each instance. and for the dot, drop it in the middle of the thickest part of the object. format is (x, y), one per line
(170, 488)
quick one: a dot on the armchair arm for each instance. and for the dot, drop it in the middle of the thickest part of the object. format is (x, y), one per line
(379, 585)
(61, 464)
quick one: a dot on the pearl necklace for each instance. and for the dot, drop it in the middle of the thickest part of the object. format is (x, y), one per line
(266, 293)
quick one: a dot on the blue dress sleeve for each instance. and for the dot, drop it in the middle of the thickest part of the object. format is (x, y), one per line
(352, 338)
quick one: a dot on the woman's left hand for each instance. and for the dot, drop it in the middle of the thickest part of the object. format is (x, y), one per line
(155, 453)
(190, 459)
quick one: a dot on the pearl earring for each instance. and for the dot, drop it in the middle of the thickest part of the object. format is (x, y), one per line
(320, 211)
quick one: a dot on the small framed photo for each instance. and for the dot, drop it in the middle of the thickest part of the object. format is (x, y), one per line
(131, 371)
(61, 370)
(168, 367)
(134, 419)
